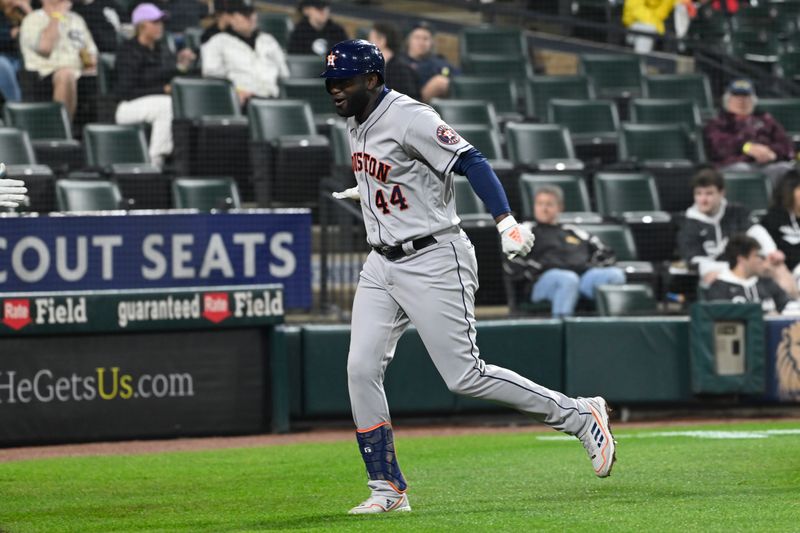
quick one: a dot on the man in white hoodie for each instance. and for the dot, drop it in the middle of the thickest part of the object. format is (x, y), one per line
(709, 224)
(744, 282)
(252, 60)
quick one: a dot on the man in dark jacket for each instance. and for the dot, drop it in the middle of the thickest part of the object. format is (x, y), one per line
(709, 224)
(745, 282)
(316, 33)
(739, 139)
(566, 262)
(145, 67)
(399, 74)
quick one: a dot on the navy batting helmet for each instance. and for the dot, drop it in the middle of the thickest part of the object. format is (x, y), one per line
(348, 59)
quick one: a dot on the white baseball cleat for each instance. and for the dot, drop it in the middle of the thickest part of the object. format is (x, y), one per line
(382, 504)
(597, 437)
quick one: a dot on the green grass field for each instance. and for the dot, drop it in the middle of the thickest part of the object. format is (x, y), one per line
(663, 481)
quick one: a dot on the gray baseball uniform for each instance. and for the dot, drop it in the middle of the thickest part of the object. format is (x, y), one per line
(403, 156)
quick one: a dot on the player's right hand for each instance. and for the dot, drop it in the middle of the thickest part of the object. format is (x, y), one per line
(12, 192)
(348, 194)
(516, 239)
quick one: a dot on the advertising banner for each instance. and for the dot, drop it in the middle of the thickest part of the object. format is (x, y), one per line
(131, 385)
(159, 249)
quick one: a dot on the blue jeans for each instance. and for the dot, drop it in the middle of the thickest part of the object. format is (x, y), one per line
(9, 85)
(563, 287)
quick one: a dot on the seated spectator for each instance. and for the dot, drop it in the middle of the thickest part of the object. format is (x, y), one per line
(56, 47)
(316, 33)
(221, 21)
(709, 224)
(739, 139)
(433, 71)
(566, 262)
(399, 75)
(781, 220)
(102, 18)
(645, 16)
(145, 67)
(11, 16)
(252, 60)
(745, 280)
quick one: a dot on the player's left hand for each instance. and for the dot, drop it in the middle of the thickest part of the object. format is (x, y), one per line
(517, 239)
(12, 192)
(348, 194)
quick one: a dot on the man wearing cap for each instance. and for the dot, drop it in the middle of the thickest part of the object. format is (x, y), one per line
(739, 139)
(145, 67)
(220, 23)
(252, 60)
(316, 33)
(433, 70)
(56, 47)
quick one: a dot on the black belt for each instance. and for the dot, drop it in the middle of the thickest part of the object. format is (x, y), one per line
(393, 253)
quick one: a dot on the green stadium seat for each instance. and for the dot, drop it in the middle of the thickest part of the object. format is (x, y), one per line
(15, 147)
(50, 132)
(618, 237)
(492, 40)
(205, 194)
(589, 121)
(105, 73)
(87, 195)
(695, 87)
(517, 69)
(467, 202)
(789, 65)
(665, 111)
(750, 189)
(199, 98)
(279, 25)
(305, 66)
(109, 144)
(313, 92)
(614, 75)
(619, 193)
(340, 143)
(625, 300)
(539, 90)
(484, 139)
(541, 146)
(710, 28)
(577, 207)
(758, 46)
(460, 112)
(786, 111)
(659, 145)
(270, 119)
(502, 93)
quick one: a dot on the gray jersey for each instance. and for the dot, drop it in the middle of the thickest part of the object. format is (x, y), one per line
(403, 157)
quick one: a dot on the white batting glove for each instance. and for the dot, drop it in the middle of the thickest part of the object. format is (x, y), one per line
(348, 194)
(12, 192)
(516, 238)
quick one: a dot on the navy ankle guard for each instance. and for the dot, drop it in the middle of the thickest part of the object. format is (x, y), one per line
(377, 449)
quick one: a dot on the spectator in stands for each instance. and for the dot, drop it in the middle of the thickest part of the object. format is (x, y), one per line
(709, 224)
(252, 60)
(781, 220)
(433, 71)
(10, 19)
(183, 14)
(745, 280)
(739, 139)
(566, 262)
(221, 21)
(645, 16)
(102, 18)
(145, 67)
(316, 33)
(729, 7)
(57, 47)
(399, 74)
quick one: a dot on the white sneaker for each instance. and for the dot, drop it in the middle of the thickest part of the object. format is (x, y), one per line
(378, 503)
(597, 437)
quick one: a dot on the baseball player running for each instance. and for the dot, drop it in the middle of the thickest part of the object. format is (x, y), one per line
(422, 270)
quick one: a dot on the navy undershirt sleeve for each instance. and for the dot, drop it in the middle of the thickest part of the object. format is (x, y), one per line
(484, 181)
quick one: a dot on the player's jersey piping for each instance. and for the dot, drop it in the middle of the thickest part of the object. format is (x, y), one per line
(472, 346)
